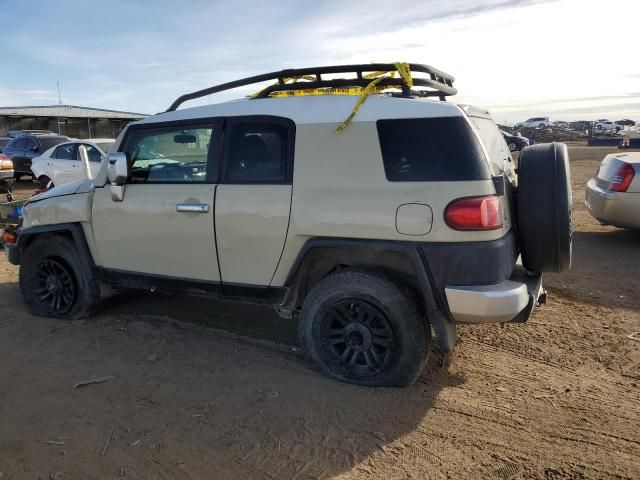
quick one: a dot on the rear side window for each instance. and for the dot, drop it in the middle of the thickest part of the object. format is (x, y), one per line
(493, 141)
(257, 153)
(431, 150)
(65, 152)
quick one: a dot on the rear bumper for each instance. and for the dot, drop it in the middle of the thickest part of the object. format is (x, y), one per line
(507, 301)
(613, 208)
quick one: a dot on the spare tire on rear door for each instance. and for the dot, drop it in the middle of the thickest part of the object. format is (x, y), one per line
(544, 207)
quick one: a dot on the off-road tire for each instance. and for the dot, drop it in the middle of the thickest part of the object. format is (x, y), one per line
(373, 308)
(52, 267)
(544, 207)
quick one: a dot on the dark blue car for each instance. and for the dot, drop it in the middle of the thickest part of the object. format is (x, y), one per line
(26, 147)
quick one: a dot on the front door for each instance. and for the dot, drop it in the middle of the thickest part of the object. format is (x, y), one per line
(164, 226)
(253, 200)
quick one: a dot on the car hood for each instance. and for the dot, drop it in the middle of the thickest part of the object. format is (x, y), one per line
(81, 186)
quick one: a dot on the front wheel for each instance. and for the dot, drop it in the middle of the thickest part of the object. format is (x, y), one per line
(45, 183)
(54, 279)
(365, 328)
(513, 147)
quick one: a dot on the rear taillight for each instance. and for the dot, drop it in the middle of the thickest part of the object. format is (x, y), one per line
(8, 237)
(474, 213)
(621, 179)
(5, 163)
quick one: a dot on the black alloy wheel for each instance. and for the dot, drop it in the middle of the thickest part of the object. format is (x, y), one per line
(54, 286)
(357, 336)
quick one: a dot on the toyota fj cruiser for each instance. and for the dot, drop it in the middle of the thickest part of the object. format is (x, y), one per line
(347, 197)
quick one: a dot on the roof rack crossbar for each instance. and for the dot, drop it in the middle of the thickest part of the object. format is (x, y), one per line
(440, 83)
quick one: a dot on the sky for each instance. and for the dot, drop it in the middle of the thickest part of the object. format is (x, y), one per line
(566, 59)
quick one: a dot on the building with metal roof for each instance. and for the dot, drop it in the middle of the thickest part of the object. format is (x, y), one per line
(71, 120)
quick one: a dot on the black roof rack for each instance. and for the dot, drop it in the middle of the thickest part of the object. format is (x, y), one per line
(438, 83)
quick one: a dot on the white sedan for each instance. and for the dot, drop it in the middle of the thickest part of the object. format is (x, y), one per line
(61, 164)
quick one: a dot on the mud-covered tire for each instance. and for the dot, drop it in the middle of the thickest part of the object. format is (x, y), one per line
(379, 320)
(544, 208)
(55, 281)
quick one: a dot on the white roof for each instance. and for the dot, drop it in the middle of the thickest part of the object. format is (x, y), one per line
(95, 140)
(318, 109)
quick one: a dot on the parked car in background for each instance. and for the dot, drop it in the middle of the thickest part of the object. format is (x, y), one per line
(3, 142)
(24, 148)
(607, 126)
(6, 174)
(19, 133)
(515, 142)
(613, 195)
(534, 122)
(61, 164)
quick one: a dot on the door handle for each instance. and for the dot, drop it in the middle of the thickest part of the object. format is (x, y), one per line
(192, 207)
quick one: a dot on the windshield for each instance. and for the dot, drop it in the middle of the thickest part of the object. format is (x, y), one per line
(104, 146)
(48, 142)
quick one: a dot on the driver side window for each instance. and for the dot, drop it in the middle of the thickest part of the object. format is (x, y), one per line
(169, 154)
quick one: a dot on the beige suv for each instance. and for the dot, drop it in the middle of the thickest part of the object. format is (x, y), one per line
(347, 197)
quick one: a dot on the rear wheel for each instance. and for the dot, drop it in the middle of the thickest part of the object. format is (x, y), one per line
(363, 327)
(54, 280)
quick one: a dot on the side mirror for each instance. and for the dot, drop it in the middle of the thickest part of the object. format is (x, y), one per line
(34, 148)
(117, 172)
(118, 169)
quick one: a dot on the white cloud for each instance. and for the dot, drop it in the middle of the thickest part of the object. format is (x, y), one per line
(564, 58)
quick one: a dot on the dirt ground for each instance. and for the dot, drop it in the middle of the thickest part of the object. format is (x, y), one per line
(206, 389)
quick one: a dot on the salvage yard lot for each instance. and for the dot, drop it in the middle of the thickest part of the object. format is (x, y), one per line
(205, 389)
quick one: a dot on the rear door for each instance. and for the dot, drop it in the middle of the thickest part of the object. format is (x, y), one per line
(64, 164)
(95, 159)
(17, 152)
(253, 200)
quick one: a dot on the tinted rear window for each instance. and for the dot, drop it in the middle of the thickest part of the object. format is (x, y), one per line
(431, 150)
(48, 142)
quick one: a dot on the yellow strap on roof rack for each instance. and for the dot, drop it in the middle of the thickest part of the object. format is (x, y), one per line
(402, 69)
(405, 73)
(363, 96)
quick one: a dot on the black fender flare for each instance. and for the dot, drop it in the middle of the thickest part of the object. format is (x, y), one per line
(395, 256)
(72, 230)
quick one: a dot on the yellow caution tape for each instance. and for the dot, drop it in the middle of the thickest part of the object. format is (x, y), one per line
(402, 69)
(405, 73)
(363, 96)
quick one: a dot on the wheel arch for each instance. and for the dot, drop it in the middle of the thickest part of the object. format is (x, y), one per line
(71, 231)
(320, 257)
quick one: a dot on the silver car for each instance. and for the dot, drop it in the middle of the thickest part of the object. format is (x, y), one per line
(613, 196)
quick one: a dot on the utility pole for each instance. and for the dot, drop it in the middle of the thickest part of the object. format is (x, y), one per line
(59, 103)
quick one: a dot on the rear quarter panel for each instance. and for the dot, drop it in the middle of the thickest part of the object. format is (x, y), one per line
(340, 190)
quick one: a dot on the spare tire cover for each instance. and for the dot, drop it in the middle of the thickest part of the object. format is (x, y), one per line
(544, 208)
